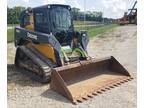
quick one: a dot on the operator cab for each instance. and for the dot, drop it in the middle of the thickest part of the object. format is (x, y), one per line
(55, 20)
(50, 19)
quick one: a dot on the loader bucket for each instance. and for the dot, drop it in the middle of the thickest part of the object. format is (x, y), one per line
(79, 81)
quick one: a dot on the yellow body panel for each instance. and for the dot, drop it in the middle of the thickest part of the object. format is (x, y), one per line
(29, 27)
(46, 50)
(31, 21)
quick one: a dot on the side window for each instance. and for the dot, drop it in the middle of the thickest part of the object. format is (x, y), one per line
(40, 19)
(26, 20)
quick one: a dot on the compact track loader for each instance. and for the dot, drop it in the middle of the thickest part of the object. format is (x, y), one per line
(50, 50)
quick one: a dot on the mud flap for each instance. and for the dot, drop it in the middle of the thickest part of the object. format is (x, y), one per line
(79, 81)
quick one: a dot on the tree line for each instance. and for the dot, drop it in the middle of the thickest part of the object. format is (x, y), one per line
(14, 13)
(89, 15)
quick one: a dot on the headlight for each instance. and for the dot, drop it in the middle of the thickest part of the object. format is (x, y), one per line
(84, 34)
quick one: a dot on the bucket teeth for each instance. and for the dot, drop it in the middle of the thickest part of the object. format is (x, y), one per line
(115, 85)
(126, 80)
(99, 90)
(103, 89)
(108, 88)
(90, 95)
(80, 100)
(118, 83)
(74, 102)
(129, 79)
(85, 97)
(79, 82)
(111, 86)
(122, 81)
(95, 93)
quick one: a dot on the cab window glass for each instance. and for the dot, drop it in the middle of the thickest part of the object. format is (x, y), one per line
(26, 20)
(40, 19)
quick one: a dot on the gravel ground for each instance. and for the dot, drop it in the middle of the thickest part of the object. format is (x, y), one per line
(119, 42)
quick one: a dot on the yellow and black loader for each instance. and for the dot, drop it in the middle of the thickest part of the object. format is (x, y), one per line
(50, 50)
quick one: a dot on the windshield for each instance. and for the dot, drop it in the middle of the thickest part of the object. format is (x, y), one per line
(61, 18)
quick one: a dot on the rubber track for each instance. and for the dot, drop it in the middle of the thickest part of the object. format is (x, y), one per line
(35, 60)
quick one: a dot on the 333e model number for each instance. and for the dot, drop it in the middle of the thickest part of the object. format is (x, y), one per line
(31, 36)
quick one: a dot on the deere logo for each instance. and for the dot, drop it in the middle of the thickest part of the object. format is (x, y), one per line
(31, 36)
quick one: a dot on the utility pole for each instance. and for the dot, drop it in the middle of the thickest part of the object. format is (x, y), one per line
(84, 13)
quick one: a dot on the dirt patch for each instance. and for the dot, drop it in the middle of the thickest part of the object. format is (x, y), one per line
(120, 43)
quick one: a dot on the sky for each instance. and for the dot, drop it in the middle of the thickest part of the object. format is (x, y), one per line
(110, 8)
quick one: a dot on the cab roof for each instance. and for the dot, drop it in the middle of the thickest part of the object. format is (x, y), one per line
(46, 6)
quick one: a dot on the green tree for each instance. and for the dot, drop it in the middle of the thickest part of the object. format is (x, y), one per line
(13, 14)
(75, 13)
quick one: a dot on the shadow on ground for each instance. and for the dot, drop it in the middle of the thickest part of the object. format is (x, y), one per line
(17, 76)
(54, 96)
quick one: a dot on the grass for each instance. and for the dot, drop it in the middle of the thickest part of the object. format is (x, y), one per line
(82, 22)
(95, 30)
(11, 25)
(101, 29)
(10, 37)
(86, 27)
